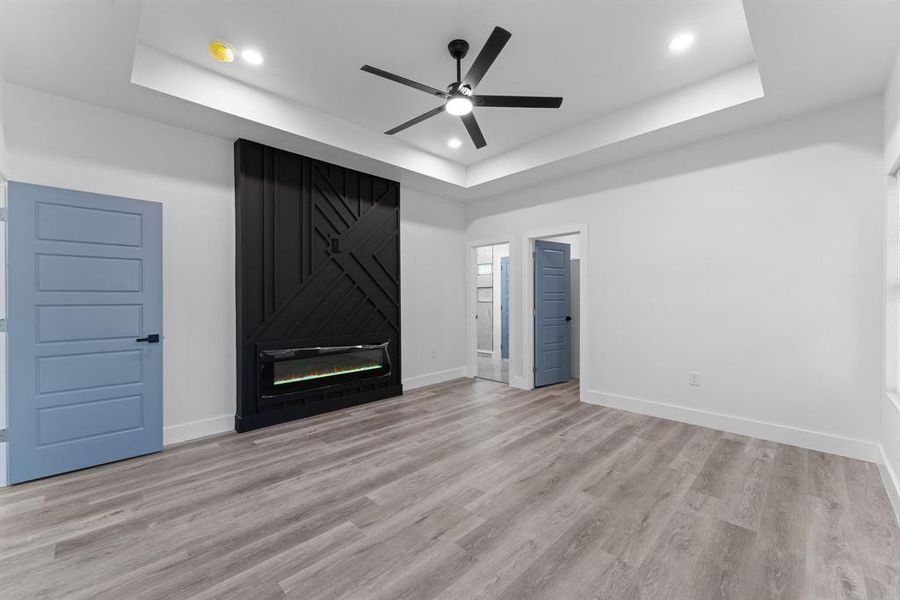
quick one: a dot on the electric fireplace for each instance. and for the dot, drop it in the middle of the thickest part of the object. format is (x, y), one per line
(289, 371)
(317, 287)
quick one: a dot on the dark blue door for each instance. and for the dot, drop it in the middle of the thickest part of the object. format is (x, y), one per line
(85, 274)
(552, 274)
(504, 307)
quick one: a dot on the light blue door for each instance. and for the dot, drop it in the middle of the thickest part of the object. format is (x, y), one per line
(552, 279)
(85, 375)
(504, 307)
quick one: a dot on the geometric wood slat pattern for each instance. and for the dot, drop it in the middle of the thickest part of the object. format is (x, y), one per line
(294, 288)
(468, 489)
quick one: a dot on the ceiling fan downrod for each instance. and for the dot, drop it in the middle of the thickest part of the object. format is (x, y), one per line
(458, 50)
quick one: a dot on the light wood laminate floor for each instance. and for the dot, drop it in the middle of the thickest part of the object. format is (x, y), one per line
(464, 490)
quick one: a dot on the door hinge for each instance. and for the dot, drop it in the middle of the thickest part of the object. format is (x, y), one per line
(2, 214)
(2, 435)
(2, 325)
(534, 369)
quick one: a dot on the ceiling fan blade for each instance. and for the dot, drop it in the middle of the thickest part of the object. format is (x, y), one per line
(419, 119)
(474, 130)
(518, 101)
(413, 84)
(487, 56)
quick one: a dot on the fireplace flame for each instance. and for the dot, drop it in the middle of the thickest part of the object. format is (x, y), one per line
(285, 378)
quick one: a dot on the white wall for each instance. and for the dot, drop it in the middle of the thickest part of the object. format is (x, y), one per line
(890, 403)
(433, 280)
(60, 142)
(754, 258)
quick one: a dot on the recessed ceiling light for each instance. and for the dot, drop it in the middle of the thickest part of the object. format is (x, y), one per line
(252, 56)
(221, 51)
(454, 143)
(458, 106)
(681, 42)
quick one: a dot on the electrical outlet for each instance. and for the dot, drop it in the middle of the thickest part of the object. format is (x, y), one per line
(433, 354)
(694, 378)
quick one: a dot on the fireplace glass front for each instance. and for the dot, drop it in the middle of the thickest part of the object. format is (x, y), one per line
(292, 370)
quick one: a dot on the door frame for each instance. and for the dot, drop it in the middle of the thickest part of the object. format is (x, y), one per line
(527, 294)
(504, 261)
(471, 326)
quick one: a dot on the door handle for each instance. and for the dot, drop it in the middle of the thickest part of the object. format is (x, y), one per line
(568, 318)
(153, 338)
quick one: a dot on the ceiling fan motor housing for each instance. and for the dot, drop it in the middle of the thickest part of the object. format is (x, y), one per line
(459, 89)
(458, 49)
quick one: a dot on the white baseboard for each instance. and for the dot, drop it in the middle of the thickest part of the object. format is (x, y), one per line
(411, 383)
(520, 383)
(891, 482)
(183, 432)
(783, 434)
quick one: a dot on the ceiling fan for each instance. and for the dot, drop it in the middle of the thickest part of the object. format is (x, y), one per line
(459, 99)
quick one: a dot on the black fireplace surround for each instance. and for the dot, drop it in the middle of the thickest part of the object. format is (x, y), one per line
(317, 278)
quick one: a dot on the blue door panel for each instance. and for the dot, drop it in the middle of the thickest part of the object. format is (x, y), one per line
(552, 334)
(554, 309)
(85, 273)
(554, 283)
(81, 323)
(553, 258)
(72, 273)
(555, 359)
(58, 424)
(69, 373)
(68, 223)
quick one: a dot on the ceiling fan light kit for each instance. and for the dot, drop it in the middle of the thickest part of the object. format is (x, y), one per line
(458, 106)
(459, 99)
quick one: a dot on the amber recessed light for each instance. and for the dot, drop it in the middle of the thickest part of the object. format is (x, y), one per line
(221, 51)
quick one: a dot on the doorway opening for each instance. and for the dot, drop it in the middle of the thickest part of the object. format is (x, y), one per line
(492, 272)
(556, 270)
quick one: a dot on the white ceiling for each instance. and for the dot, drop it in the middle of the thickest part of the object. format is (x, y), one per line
(600, 56)
(310, 97)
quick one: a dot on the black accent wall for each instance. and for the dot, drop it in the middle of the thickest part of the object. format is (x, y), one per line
(317, 264)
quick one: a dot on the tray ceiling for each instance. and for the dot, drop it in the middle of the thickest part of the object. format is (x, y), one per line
(625, 95)
(601, 56)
